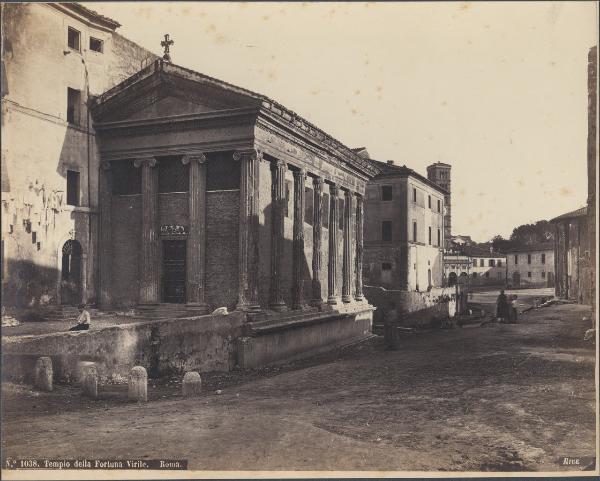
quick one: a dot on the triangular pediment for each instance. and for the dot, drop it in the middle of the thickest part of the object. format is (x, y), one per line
(157, 94)
(171, 105)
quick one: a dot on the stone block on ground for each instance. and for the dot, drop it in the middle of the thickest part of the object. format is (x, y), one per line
(43, 374)
(138, 384)
(89, 381)
(192, 384)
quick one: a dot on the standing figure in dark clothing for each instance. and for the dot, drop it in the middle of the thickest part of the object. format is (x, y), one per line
(502, 307)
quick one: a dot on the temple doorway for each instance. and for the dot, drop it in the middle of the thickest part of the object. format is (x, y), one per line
(174, 271)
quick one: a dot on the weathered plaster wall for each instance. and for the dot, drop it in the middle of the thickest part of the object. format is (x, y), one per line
(163, 347)
(417, 308)
(38, 72)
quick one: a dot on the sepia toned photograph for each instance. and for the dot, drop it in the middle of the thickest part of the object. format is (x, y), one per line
(284, 239)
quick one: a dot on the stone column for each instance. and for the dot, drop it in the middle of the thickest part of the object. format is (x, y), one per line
(317, 299)
(298, 239)
(248, 233)
(149, 246)
(358, 295)
(105, 234)
(196, 241)
(347, 254)
(333, 228)
(278, 200)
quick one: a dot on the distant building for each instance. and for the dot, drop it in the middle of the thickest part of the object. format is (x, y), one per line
(573, 257)
(439, 174)
(456, 266)
(461, 240)
(481, 266)
(530, 266)
(404, 230)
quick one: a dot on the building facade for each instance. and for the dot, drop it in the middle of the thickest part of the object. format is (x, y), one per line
(592, 160)
(572, 256)
(404, 230)
(55, 58)
(481, 268)
(211, 195)
(440, 174)
(530, 266)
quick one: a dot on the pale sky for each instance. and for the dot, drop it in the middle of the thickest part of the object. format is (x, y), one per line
(498, 90)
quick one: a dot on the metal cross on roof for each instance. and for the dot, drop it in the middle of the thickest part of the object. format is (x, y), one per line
(166, 43)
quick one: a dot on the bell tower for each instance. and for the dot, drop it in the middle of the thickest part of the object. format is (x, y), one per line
(439, 173)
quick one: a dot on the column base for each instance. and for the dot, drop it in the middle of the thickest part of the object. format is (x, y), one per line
(359, 298)
(347, 298)
(332, 301)
(316, 302)
(147, 304)
(197, 306)
(278, 306)
(248, 307)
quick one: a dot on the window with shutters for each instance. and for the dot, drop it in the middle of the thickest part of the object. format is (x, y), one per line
(386, 230)
(72, 187)
(386, 192)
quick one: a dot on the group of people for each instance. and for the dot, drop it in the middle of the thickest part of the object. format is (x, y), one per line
(506, 307)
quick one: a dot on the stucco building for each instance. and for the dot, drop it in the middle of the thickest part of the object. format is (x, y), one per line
(575, 238)
(55, 58)
(530, 266)
(572, 256)
(482, 267)
(404, 230)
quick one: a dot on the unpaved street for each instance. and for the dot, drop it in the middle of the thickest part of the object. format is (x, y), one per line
(495, 398)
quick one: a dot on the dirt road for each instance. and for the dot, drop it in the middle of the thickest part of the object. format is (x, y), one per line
(497, 398)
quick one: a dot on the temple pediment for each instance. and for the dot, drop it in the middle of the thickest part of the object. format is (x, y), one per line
(162, 90)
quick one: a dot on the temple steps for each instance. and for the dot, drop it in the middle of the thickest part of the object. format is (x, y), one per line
(64, 313)
(167, 311)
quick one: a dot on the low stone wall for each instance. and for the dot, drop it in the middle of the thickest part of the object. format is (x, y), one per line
(296, 341)
(205, 343)
(417, 308)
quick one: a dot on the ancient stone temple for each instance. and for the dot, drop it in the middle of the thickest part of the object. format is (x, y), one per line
(214, 196)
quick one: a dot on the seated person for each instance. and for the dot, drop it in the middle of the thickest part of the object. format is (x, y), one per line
(83, 321)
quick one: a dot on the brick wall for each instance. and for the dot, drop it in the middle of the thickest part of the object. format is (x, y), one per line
(126, 219)
(222, 233)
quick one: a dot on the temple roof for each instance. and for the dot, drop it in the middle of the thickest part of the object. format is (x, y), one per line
(161, 68)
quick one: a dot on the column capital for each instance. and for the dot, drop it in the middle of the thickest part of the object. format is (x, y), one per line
(347, 193)
(300, 173)
(138, 162)
(334, 189)
(318, 183)
(248, 153)
(195, 157)
(280, 164)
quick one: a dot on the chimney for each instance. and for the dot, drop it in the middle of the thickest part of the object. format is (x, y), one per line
(390, 162)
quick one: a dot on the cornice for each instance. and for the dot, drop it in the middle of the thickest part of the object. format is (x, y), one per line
(299, 128)
(175, 123)
(270, 109)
